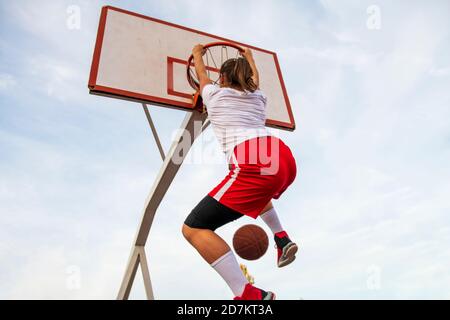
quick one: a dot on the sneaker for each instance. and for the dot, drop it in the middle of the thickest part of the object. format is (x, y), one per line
(253, 293)
(286, 249)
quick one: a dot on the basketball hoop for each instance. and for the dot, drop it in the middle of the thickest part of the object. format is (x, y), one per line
(224, 50)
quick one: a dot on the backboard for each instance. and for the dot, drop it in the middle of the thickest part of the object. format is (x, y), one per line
(144, 59)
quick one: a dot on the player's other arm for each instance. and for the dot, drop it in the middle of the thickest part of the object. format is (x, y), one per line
(200, 68)
(248, 55)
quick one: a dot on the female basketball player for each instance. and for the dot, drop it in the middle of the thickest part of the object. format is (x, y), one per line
(261, 168)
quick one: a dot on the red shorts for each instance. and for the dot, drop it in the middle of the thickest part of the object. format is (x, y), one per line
(261, 169)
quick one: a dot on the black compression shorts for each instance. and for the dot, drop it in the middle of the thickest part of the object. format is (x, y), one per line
(210, 214)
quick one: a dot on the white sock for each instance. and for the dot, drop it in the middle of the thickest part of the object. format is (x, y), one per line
(270, 218)
(228, 268)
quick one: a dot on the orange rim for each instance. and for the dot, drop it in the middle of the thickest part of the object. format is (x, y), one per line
(190, 64)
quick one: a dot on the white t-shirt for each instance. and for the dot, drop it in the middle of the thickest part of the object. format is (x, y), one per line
(235, 116)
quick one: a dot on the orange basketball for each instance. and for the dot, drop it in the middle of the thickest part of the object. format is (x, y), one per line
(250, 242)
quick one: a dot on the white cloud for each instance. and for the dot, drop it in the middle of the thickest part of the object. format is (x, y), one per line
(56, 78)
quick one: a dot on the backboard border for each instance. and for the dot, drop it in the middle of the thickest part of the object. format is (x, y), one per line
(128, 95)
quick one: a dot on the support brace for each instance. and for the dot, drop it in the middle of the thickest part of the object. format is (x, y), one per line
(193, 125)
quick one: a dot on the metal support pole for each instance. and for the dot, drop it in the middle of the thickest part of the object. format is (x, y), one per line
(206, 125)
(191, 128)
(137, 257)
(155, 133)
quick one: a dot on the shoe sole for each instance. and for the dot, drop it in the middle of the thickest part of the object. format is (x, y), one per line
(289, 255)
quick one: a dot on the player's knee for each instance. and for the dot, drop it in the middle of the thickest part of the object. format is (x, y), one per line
(187, 232)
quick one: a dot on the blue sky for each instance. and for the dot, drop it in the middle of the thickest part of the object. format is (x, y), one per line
(370, 207)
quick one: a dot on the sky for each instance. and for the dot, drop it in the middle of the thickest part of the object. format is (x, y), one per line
(369, 85)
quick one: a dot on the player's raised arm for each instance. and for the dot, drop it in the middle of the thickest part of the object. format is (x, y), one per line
(248, 55)
(200, 68)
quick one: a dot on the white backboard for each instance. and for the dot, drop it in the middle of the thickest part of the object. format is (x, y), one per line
(144, 59)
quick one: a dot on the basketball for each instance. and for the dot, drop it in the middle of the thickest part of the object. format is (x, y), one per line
(250, 242)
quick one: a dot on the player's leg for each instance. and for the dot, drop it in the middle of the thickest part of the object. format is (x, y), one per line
(210, 245)
(270, 218)
(219, 255)
(286, 248)
(199, 229)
